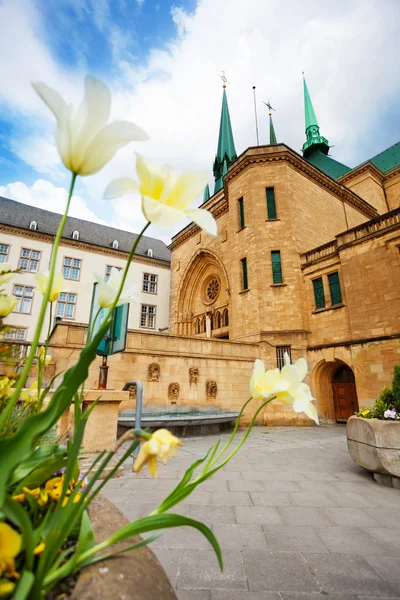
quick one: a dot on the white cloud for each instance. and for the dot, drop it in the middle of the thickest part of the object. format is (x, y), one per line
(348, 50)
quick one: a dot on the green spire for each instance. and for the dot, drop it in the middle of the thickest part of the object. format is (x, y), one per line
(206, 195)
(272, 136)
(226, 152)
(314, 141)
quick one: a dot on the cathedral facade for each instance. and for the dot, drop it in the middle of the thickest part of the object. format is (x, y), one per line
(307, 261)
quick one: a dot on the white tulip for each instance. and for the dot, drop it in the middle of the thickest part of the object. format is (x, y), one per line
(264, 384)
(297, 394)
(109, 289)
(86, 141)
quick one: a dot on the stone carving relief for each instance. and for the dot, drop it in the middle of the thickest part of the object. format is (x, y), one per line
(132, 391)
(193, 375)
(154, 372)
(173, 391)
(211, 389)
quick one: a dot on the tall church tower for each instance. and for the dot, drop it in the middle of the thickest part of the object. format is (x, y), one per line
(315, 141)
(226, 153)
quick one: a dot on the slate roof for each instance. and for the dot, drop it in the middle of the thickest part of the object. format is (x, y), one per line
(21, 215)
(327, 164)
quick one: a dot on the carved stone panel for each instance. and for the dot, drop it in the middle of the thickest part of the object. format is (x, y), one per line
(193, 375)
(132, 391)
(173, 391)
(154, 372)
(211, 389)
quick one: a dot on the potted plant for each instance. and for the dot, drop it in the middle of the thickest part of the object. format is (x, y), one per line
(373, 435)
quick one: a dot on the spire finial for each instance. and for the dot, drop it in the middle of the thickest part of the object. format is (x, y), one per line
(314, 141)
(224, 79)
(272, 136)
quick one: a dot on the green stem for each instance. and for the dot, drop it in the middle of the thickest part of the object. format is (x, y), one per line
(42, 366)
(29, 360)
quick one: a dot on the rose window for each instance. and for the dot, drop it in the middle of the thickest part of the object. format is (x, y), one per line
(212, 289)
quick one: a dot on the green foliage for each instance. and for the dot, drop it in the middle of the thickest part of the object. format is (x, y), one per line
(396, 388)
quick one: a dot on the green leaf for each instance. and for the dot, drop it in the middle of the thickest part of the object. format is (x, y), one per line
(19, 516)
(35, 459)
(24, 586)
(44, 472)
(144, 542)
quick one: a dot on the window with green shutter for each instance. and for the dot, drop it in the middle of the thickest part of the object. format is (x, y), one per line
(276, 266)
(319, 293)
(241, 212)
(271, 206)
(245, 281)
(334, 288)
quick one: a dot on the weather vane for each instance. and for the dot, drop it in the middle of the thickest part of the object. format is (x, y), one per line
(269, 106)
(224, 79)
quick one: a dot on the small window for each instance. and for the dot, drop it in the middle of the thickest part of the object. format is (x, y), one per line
(319, 295)
(72, 268)
(198, 326)
(241, 213)
(203, 325)
(218, 320)
(29, 260)
(245, 281)
(66, 305)
(271, 206)
(150, 252)
(148, 316)
(108, 271)
(276, 266)
(334, 288)
(225, 318)
(150, 283)
(33, 225)
(4, 248)
(280, 355)
(16, 333)
(75, 235)
(115, 244)
(24, 295)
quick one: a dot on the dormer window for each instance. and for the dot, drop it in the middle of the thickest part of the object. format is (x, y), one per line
(75, 235)
(33, 225)
(115, 244)
(150, 252)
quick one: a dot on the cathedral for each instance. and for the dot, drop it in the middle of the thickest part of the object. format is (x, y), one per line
(307, 261)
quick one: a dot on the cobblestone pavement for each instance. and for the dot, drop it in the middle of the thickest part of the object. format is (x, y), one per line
(295, 517)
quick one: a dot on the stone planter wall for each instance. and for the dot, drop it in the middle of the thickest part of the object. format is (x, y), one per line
(137, 574)
(375, 446)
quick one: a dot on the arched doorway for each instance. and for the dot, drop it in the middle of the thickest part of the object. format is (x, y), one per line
(344, 393)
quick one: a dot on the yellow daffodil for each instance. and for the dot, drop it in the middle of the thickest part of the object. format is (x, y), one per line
(19, 498)
(6, 587)
(6, 385)
(297, 394)
(162, 445)
(6, 273)
(45, 359)
(10, 546)
(166, 196)
(41, 496)
(30, 395)
(76, 499)
(86, 141)
(264, 384)
(39, 548)
(58, 285)
(7, 304)
(54, 487)
(108, 290)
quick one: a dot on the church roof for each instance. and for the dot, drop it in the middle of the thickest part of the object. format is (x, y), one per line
(327, 164)
(388, 159)
(21, 215)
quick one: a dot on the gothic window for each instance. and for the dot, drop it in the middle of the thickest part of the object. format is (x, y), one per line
(213, 289)
(225, 318)
(203, 324)
(218, 320)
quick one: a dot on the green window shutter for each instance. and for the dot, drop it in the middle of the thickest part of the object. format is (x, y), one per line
(334, 288)
(244, 274)
(319, 293)
(241, 212)
(271, 206)
(276, 266)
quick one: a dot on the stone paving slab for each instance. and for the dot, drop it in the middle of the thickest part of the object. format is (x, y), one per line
(295, 517)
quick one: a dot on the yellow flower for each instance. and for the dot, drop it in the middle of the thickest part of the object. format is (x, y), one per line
(108, 290)
(19, 498)
(40, 495)
(264, 384)
(39, 548)
(54, 487)
(166, 197)
(7, 304)
(44, 358)
(6, 273)
(30, 395)
(85, 141)
(162, 445)
(76, 499)
(6, 587)
(10, 546)
(58, 285)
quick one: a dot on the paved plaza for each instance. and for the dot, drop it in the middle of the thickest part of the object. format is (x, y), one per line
(295, 517)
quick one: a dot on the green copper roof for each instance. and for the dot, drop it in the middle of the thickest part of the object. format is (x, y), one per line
(272, 136)
(206, 195)
(388, 159)
(226, 146)
(314, 139)
(327, 164)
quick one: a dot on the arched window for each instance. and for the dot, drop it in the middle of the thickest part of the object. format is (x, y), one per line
(33, 225)
(203, 324)
(115, 244)
(218, 320)
(75, 235)
(226, 318)
(150, 252)
(198, 326)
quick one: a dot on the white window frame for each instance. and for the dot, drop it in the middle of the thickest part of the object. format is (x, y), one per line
(23, 296)
(68, 269)
(28, 259)
(148, 316)
(64, 300)
(150, 283)
(4, 254)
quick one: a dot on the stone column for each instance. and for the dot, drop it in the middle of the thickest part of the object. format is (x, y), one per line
(101, 429)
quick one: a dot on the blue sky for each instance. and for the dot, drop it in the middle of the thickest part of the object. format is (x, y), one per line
(161, 59)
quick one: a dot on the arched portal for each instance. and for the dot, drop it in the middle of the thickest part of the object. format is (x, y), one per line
(334, 388)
